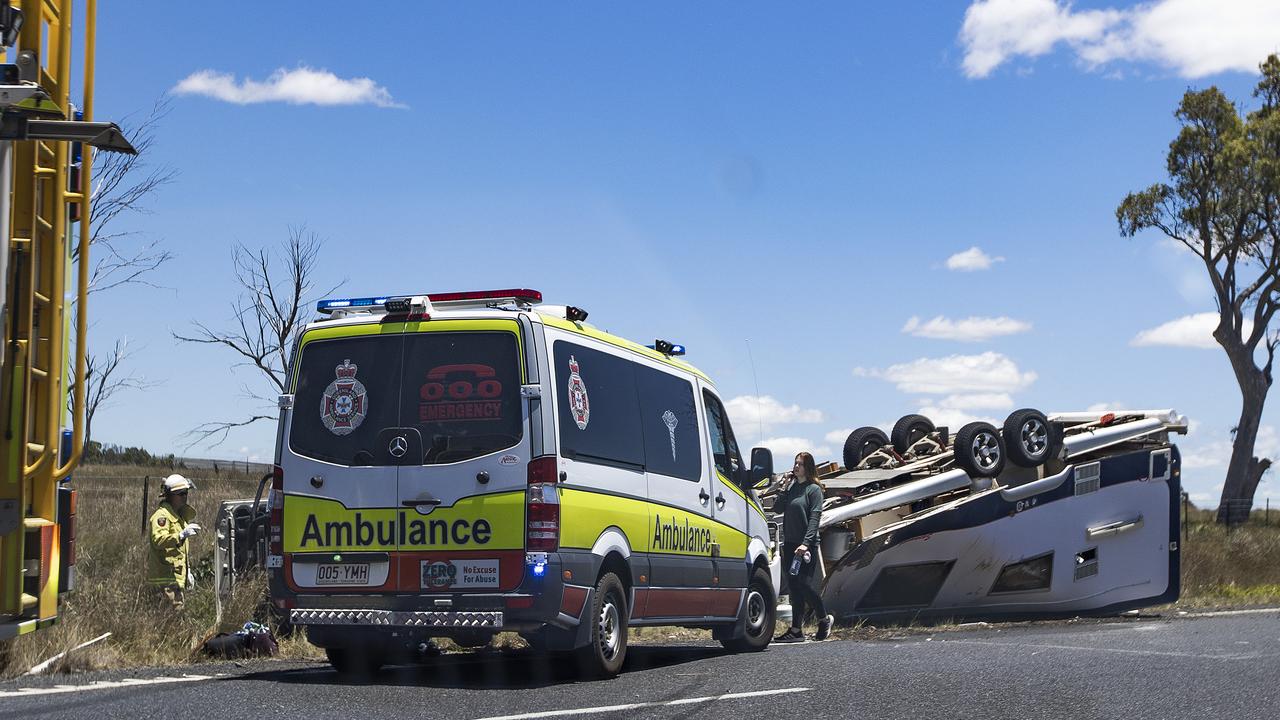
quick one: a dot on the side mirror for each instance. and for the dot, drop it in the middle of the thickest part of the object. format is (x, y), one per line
(761, 466)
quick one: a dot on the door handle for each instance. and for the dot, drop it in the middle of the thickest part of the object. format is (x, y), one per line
(720, 500)
(421, 501)
(703, 496)
(1114, 528)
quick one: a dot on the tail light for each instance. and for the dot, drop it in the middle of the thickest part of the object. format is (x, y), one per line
(275, 505)
(542, 507)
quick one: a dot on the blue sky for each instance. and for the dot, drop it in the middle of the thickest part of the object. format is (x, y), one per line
(711, 173)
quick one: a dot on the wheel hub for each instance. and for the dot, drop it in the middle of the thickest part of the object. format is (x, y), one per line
(756, 613)
(610, 630)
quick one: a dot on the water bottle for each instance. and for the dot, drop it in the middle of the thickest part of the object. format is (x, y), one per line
(797, 561)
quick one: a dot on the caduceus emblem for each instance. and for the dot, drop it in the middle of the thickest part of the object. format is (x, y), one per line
(670, 419)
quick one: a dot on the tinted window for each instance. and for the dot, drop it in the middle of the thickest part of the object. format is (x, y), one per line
(670, 422)
(347, 391)
(1033, 574)
(598, 406)
(462, 393)
(724, 448)
(906, 585)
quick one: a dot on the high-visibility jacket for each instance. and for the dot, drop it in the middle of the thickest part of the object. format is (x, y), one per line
(168, 561)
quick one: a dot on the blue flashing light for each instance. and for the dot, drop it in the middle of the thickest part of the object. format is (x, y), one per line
(539, 569)
(669, 349)
(328, 306)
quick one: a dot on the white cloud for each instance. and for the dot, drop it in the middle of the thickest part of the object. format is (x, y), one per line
(971, 260)
(970, 329)
(748, 411)
(987, 373)
(1191, 331)
(837, 437)
(1194, 38)
(1217, 453)
(953, 418)
(785, 449)
(1104, 407)
(978, 401)
(299, 86)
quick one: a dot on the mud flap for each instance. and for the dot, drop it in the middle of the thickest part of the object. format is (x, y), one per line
(555, 639)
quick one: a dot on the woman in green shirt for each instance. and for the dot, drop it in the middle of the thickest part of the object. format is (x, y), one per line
(801, 505)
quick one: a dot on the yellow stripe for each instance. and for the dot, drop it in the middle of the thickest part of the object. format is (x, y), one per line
(488, 522)
(584, 515)
(591, 332)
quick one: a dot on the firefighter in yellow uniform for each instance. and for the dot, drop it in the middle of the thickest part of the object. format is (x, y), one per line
(171, 527)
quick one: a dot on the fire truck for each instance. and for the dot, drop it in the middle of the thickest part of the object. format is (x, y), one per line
(47, 139)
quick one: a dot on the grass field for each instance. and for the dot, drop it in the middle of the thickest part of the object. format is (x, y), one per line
(1221, 568)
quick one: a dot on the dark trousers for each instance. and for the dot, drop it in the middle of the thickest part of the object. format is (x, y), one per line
(804, 592)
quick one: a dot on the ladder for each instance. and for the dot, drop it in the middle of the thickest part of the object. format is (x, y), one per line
(43, 194)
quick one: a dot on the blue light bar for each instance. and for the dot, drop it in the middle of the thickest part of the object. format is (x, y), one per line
(669, 349)
(328, 306)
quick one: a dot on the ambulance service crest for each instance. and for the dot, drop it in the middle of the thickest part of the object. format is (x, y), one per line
(345, 403)
(579, 404)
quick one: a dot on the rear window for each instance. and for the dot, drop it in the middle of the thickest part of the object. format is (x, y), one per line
(460, 393)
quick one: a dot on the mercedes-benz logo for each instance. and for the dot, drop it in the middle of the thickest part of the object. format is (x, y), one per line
(398, 447)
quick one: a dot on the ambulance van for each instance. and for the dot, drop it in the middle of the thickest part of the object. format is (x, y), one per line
(462, 464)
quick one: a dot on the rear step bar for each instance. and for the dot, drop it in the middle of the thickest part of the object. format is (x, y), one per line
(398, 618)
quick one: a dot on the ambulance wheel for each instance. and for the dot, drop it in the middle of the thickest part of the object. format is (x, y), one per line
(1030, 438)
(908, 430)
(603, 656)
(758, 617)
(979, 449)
(354, 662)
(861, 443)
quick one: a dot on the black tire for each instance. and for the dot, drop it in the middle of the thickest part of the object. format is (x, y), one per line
(758, 617)
(604, 655)
(908, 430)
(359, 662)
(979, 449)
(1029, 438)
(861, 443)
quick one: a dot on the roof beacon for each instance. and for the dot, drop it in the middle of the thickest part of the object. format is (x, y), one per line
(667, 348)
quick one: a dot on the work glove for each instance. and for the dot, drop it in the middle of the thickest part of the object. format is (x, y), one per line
(191, 580)
(188, 531)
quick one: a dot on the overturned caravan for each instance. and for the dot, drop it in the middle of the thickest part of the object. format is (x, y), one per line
(1090, 528)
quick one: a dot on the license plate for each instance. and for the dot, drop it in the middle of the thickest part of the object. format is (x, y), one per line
(344, 574)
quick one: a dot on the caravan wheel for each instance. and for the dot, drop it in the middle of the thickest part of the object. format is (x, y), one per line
(908, 430)
(979, 449)
(861, 443)
(1029, 438)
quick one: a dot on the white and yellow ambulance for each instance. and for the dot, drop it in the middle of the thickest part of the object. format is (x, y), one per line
(459, 464)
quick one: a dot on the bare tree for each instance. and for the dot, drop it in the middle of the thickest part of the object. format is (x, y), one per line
(122, 185)
(106, 376)
(1223, 204)
(267, 315)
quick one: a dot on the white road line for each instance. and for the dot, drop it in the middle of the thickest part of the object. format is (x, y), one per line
(642, 705)
(1122, 651)
(1228, 613)
(102, 685)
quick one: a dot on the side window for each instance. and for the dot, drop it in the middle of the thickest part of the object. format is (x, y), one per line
(598, 407)
(724, 448)
(671, 439)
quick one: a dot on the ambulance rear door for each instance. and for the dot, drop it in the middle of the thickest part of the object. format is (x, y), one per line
(463, 470)
(341, 495)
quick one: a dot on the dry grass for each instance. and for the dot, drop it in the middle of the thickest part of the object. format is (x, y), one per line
(1237, 567)
(111, 592)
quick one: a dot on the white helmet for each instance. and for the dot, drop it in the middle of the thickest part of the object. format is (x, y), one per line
(176, 482)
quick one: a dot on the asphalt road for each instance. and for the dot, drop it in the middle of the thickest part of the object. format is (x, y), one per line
(1223, 666)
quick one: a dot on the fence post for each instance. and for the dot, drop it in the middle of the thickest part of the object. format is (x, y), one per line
(146, 486)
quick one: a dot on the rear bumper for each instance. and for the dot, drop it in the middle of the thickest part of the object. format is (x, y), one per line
(468, 619)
